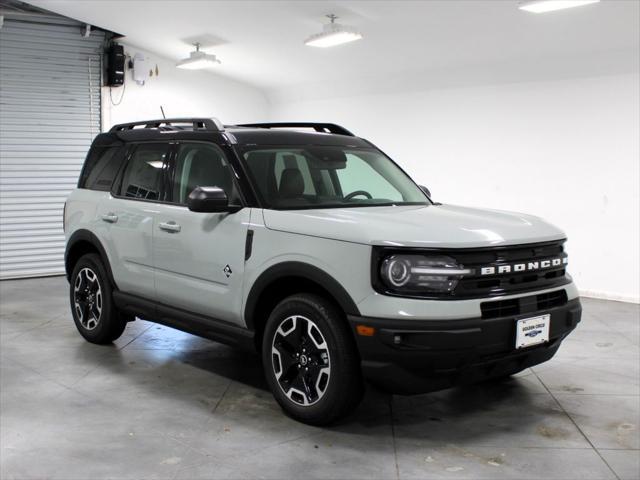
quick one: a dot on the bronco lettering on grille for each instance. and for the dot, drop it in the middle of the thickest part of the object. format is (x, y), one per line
(524, 266)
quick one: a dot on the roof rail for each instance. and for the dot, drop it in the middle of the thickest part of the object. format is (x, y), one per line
(318, 127)
(208, 124)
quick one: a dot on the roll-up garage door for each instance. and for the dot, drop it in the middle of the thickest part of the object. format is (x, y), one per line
(50, 78)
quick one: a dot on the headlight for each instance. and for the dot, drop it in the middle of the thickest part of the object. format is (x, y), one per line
(420, 273)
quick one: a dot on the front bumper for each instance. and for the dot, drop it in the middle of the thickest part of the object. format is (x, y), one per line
(418, 356)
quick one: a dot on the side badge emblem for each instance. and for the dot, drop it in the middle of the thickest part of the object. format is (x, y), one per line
(227, 271)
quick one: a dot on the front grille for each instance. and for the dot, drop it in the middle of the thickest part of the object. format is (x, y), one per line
(523, 305)
(507, 283)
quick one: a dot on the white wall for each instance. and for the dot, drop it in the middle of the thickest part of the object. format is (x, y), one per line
(567, 151)
(182, 93)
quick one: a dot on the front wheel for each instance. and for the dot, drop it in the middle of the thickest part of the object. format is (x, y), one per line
(311, 361)
(94, 313)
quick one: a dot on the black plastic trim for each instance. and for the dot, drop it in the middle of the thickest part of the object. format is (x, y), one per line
(297, 269)
(248, 245)
(84, 235)
(194, 323)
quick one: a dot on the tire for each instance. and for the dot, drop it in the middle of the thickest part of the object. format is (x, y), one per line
(311, 361)
(94, 313)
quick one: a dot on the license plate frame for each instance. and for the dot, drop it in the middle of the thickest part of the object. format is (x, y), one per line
(531, 331)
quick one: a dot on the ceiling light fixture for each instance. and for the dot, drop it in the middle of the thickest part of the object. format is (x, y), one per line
(333, 34)
(542, 6)
(197, 60)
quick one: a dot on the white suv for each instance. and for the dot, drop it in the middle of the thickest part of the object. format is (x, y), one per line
(310, 245)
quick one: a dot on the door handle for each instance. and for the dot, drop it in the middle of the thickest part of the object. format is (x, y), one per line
(110, 217)
(171, 227)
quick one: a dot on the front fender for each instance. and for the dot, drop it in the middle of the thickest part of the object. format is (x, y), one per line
(297, 269)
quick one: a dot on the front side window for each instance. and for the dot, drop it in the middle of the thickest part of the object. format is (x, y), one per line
(329, 177)
(142, 177)
(202, 165)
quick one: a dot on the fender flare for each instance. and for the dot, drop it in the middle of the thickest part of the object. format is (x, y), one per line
(83, 235)
(297, 269)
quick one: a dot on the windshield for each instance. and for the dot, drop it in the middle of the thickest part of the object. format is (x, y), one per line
(329, 177)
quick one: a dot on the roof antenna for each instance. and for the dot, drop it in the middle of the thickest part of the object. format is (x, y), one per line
(162, 110)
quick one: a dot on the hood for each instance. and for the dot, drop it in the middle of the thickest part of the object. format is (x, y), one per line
(444, 226)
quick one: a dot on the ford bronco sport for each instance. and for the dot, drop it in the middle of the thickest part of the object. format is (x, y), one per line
(311, 246)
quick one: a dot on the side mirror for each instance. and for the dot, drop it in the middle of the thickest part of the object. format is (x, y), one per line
(209, 200)
(425, 190)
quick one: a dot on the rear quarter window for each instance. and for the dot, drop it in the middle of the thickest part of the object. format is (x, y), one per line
(101, 167)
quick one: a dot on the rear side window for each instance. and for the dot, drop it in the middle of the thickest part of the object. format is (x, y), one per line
(142, 177)
(101, 167)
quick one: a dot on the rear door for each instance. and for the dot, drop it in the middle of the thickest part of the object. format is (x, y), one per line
(199, 257)
(128, 215)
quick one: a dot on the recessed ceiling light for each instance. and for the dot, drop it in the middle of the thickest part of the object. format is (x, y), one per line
(333, 34)
(197, 60)
(542, 6)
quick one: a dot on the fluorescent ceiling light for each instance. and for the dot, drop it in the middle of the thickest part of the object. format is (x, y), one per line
(197, 60)
(542, 6)
(333, 34)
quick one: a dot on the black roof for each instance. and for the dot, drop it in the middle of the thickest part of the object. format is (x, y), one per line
(249, 134)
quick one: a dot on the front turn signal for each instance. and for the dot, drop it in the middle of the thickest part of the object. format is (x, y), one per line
(365, 330)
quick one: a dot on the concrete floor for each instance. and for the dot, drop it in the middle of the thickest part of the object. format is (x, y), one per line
(163, 404)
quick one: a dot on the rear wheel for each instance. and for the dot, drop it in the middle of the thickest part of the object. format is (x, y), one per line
(310, 360)
(94, 313)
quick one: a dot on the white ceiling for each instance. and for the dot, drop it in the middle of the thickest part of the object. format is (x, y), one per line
(411, 42)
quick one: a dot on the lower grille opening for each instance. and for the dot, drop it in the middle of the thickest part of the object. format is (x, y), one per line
(502, 308)
(516, 306)
(552, 299)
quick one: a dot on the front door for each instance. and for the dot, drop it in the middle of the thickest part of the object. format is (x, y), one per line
(199, 257)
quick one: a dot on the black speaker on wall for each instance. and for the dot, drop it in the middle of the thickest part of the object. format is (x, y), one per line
(115, 66)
